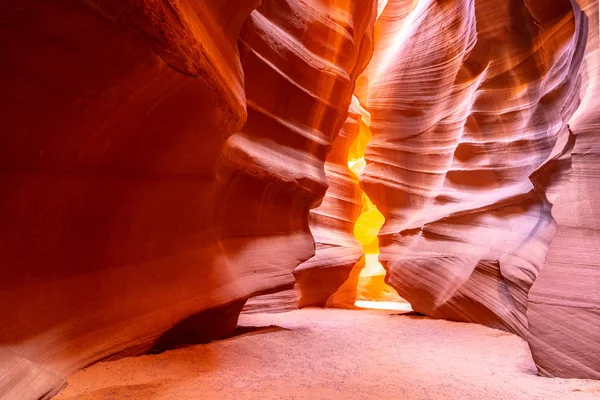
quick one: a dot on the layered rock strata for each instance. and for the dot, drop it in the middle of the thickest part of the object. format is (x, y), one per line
(470, 102)
(152, 172)
(159, 160)
(563, 307)
(332, 223)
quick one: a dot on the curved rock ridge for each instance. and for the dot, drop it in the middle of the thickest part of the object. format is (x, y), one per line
(292, 126)
(150, 171)
(332, 223)
(563, 308)
(107, 168)
(470, 102)
(164, 160)
(302, 124)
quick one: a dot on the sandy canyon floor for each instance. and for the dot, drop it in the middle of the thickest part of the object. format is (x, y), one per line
(335, 354)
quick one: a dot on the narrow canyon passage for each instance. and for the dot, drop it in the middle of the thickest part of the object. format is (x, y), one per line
(299, 199)
(325, 354)
(371, 289)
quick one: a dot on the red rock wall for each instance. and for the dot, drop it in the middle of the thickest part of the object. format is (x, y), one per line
(470, 105)
(111, 125)
(564, 303)
(150, 171)
(159, 160)
(302, 112)
(332, 223)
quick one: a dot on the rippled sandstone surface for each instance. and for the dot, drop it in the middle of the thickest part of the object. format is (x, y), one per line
(484, 169)
(159, 160)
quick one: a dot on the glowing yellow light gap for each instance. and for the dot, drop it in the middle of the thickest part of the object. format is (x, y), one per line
(371, 291)
(384, 305)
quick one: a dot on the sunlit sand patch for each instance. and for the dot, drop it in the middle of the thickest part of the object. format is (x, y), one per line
(384, 305)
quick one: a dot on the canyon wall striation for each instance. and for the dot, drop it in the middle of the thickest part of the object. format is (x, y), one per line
(564, 303)
(474, 135)
(158, 160)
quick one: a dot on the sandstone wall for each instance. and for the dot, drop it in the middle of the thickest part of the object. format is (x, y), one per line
(471, 103)
(151, 170)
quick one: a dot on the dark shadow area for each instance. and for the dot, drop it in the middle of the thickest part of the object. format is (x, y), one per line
(410, 314)
(204, 327)
(207, 326)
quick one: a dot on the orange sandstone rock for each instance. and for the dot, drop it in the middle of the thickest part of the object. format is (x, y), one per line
(159, 160)
(152, 172)
(470, 105)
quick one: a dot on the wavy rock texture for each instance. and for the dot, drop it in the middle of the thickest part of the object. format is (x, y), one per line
(332, 223)
(137, 189)
(105, 205)
(342, 54)
(564, 303)
(159, 160)
(337, 251)
(470, 102)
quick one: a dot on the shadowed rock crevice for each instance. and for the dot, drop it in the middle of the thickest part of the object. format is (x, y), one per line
(214, 324)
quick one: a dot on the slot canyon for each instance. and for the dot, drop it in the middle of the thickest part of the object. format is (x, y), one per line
(299, 199)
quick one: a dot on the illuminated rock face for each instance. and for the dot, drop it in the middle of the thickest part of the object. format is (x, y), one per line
(564, 303)
(151, 170)
(332, 223)
(470, 104)
(159, 160)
